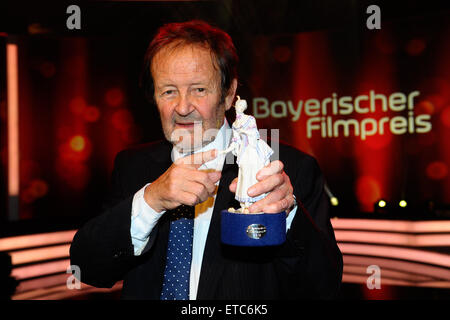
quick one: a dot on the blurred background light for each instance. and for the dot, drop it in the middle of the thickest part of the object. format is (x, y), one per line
(334, 201)
(77, 143)
(114, 97)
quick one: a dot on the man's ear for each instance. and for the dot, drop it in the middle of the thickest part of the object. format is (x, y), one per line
(231, 93)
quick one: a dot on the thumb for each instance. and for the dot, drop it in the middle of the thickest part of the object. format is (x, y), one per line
(233, 185)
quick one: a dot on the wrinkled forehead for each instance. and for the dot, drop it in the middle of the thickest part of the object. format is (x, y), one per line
(180, 57)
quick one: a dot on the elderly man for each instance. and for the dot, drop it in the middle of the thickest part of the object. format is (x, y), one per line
(160, 231)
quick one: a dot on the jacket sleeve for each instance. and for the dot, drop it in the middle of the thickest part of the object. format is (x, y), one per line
(311, 255)
(102, 247)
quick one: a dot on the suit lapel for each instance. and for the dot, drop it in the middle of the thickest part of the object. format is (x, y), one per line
(161, 153)
(212, 264)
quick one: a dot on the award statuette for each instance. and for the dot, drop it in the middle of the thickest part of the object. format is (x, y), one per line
(239, 227)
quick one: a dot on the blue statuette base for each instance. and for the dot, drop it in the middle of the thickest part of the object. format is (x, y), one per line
(253, 230)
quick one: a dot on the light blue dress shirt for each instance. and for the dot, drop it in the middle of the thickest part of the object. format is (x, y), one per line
(144, 218)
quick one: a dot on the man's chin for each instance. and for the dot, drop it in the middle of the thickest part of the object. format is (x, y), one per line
(189, 146)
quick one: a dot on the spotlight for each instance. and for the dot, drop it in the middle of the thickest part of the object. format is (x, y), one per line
(334, 201)
(382, 204)
(403, 203)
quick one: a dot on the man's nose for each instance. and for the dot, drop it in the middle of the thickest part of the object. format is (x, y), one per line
(184, 105)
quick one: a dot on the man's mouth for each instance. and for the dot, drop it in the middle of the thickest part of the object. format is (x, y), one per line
(185, 124)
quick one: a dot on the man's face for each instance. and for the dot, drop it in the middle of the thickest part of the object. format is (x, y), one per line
(187, 93)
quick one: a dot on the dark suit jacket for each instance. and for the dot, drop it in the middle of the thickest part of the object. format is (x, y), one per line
(307, 265)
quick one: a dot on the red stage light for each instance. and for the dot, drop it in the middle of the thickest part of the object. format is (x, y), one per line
(91, 114)
(437, 170)
(114, 97)
(438, 101)
(445, 116)
(38, 188)
(122, 119)
(425, 107)
(415, 47)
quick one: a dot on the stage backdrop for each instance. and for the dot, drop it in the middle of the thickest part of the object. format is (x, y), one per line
(373, 107)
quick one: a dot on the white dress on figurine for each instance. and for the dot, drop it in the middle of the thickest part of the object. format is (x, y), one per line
(252, 153)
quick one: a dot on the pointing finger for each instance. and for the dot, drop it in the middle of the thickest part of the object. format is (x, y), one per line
(196, 160)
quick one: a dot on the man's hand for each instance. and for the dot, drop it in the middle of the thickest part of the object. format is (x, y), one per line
(183, 183)
(274, 181)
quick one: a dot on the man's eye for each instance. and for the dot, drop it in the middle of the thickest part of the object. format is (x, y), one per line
(168, 92)
(200, 91)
